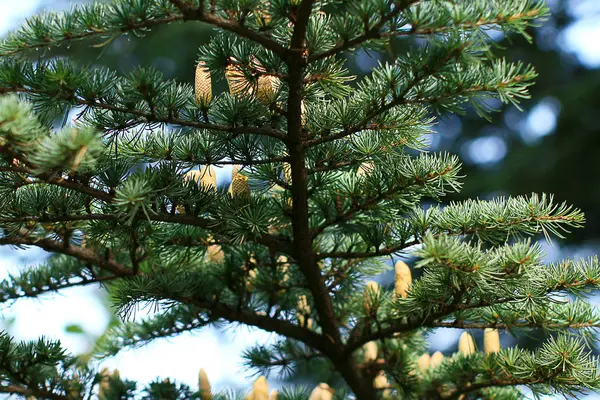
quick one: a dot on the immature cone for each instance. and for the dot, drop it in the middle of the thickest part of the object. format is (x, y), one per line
(303, 312)
(370, 351)
(365, 168)
(322, 392)
(203, 85)
(436, 359)
(215, 253)
(204, 385)
(371, 297)
(267, 88)
(381, 381)
(251, 279)
(466, 345)
(491, 341)
(236, 80)
(239, 186)
(423, 363)
(260, 390)
(403, 279)
(206, 176)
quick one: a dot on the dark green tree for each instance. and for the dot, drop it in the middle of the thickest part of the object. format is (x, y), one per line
(329, 181)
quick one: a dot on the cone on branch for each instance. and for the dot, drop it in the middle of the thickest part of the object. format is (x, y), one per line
(204, 385)
(371, 352)
(365, 168)
(322, 392)
(403, 279)
(215, 254)
(423, 363)
(436, 360)
(267, 87)
(466, 345)
(491, 341)
(203, 84)
(205, 176)
(303, 312)
(236, 80)
(260, 390)
(239, 186)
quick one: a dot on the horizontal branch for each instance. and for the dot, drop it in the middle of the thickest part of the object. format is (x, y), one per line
(78, 252)
(152, 117)
(31, 393)
(264, 322)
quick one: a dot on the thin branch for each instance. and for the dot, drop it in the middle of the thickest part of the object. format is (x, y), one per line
(269, 324)
(197, 14)
(35, 393)
(372, 33)
(78, 252)
(152, 117)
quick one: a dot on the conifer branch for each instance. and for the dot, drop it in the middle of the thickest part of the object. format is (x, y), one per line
(81, 253)
(152, 116)
(373, 33)
(28, 392)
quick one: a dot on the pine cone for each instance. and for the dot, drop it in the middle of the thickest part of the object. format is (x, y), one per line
(403, 279)
(436, 359)
(491, 341)
(204, 385)
(322, 392)
(423, 363)
(466, 345)
(203, 85)
(239, 186)
(371, 352)
(260, 390)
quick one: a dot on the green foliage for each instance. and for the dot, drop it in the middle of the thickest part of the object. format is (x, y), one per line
(339, 178)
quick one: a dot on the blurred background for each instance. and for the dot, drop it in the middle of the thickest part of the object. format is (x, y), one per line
(550, 146)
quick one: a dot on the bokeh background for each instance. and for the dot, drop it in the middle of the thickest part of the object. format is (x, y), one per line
(552, 145)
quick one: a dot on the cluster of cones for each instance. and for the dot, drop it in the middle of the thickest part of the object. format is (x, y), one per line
(260, 390)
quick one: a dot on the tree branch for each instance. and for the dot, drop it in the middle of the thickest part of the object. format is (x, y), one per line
(35, 393)
(372, 33)
(78, 252)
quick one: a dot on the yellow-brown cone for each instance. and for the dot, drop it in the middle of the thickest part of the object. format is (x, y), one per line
(322, 392)
(381, 381)
(436, 359)
(303, 312)
(204, 385)
(424, 362)
(215, 253)
(403, 279)
(260, 390)
(239, 186)
(267, 88)
(466, 345)
(237, 81)
(273, 395)
(203, 85)
(365, 168)
(491, 341)
(370, 351)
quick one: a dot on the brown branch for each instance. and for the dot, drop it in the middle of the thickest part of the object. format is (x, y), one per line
(35, 393)
(78, 252)
(197, 14)
(386, 251)
(269, 324)
(372, 33)
(152, 117)
(500, 325)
